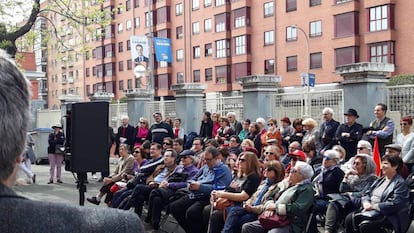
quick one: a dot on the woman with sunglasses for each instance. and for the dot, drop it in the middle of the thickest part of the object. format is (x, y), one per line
(355, 183)
(242, 187)
(327, 182)
(273, 132)
(141, 131)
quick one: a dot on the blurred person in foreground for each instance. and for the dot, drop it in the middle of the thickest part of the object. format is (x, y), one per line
(15, 111)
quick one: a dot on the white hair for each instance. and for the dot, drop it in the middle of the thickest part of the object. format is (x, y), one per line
(363, 143)
(304, 169)
(231, 114)
(328, 110)
(124, 117)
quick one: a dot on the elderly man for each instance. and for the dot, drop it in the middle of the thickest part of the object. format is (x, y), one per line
(125, 134)
(395, 150)
(327, 130)
(349, 133)
(17, 212)
(235, 125)
(381, 127)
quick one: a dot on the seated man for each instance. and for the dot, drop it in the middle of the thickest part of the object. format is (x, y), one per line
(213, 175)
(124, 167)
(17, 212)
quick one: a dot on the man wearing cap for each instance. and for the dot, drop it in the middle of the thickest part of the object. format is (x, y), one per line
(159, 130)
(328, 129)
(349, 133)
(382, 128)
(395, 150)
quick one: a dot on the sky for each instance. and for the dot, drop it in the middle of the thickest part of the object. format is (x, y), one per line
(17, 14)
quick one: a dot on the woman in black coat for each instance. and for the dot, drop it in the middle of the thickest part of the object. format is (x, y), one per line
(206, 127)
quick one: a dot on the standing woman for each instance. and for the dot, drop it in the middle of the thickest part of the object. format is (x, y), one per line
(216, 123)
(55, 159)
(141, 131)
(206, 127)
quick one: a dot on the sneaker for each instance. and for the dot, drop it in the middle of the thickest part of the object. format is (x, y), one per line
(93, 200)
(34, 178)
(95, 177)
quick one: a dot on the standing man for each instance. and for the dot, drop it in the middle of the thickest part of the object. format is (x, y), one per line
(125, 135)
(382, 127)
(349, 133)
(234, 124)
(16, 112)
(328, 130)
(159, 130)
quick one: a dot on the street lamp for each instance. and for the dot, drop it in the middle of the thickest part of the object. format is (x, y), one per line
(307, 100)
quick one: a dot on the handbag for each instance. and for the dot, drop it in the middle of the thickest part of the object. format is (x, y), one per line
(59, 149)
(177, 177)
(273, 221)
(222, 203)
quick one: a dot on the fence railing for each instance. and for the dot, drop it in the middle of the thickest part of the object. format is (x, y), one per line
(401, 99)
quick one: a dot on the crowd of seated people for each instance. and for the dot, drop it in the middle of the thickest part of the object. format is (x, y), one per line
(312, 177)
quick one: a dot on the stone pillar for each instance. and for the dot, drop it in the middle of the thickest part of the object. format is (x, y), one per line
(364, 87)
(136, 102)
(189, 105)
(257, 95)
(101, 97)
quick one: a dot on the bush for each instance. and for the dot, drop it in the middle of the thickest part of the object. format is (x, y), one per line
(401, 79)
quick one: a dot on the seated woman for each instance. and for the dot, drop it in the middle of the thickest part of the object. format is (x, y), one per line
(294, 202)
(385, 205)
(242, 187)
(355, 183)
(236, 217)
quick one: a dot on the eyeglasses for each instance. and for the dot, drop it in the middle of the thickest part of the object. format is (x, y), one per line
(269, 153)
(270, 124)
(167, 143)
(141, 122)
(404, 123)
(361, 148)
(326, 157)
(196, 144)
(357, 163)
(242, 159)
(209, 159)
(137, 152)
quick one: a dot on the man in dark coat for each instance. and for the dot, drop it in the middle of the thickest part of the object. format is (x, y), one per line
(16, 214)
(125, 134)
(349, 133)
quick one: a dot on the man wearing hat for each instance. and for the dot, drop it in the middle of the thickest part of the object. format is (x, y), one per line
(54, 154)
(349, 133)
(395, 150)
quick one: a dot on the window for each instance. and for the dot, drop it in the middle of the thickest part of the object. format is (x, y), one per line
(315, 60)
(136, 3)
(207, 25)
(208, 74)
(223, 73)
(179, 54)
(222, 48)
(128, 5)
(196, 28)
(136, 22)
(121, 66)
(129, 84)
(196, 5)
(121, 85)
(290, 5)
(346, 55)
(180, 77)
(179, 32)
(129, 64)
(268, 9)
(269, 66)
(178, 9)
(196, 52)
(109, 69)
(240, 43)
(88, 72)
(128, 25)
(207, 3)
(291, 33)
(162, 15)
(164, 33)
(381, 18)
(241, 17)
(196, 76)
(314, 2)
(382, 52)
(208, 50)
(222, 22)
(346, 24)
(109, 50)
(292, 63)
(315, 28)
(163, 81)
(269, 37)
(120, 8)
(128, 45)
(220, 2)
(120, 27)
(148, 19)
(342, 1)
(120, 47)
(242, 69)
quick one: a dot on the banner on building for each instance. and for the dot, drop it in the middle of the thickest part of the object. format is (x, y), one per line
(162, 49)
(139, 50)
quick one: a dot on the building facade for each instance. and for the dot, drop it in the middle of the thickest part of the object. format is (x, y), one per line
(216, 41)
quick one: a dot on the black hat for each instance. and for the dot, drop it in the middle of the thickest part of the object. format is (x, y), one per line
(352, 111)
(187, 153)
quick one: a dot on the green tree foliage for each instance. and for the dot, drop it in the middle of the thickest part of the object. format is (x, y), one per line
(401, 79)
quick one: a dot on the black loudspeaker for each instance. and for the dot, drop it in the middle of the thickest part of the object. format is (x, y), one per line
(89, 137)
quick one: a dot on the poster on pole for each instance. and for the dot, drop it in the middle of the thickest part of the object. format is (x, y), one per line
(140, 50)
(162, 49)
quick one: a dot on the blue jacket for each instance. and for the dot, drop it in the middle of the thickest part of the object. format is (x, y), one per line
(216, 178)
(394, 202)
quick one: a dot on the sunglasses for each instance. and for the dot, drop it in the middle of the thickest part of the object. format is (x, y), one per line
(361, 148)
(270, 124)
(137, 152)
(269, 153)
(326, 157)
(404, 124)
(166, 143)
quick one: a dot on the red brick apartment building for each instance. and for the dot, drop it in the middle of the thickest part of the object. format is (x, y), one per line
(216, 41)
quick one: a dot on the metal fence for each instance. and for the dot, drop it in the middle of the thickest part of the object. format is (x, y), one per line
(292, 104)
(223, 105)
(401, 99)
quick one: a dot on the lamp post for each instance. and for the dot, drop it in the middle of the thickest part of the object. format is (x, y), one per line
(307, 100)
(151, 88)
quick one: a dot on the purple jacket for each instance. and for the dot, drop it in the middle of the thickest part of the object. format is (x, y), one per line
(190, 170)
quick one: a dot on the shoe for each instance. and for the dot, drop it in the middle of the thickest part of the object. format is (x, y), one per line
(95, 177)
(59, 181)
(50, 182)
(93, 200)
(34, 178)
